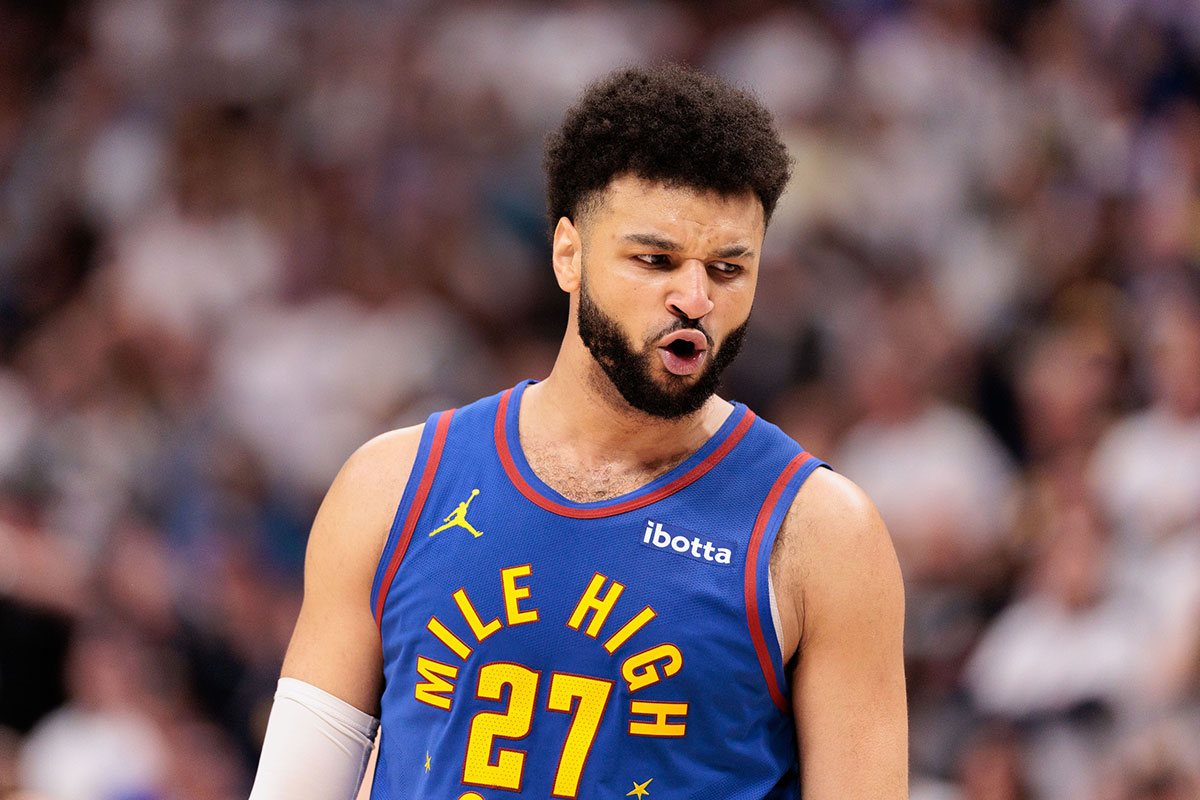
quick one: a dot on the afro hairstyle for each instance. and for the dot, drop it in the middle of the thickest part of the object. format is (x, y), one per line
(671, 124)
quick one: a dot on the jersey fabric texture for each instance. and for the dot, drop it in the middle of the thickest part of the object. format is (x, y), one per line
(536, 646)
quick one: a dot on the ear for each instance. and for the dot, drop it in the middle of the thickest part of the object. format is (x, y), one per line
(567, 255)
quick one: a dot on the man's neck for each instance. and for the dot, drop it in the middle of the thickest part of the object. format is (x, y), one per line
(578, 406)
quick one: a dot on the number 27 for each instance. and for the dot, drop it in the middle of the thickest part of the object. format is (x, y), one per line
(514, 723)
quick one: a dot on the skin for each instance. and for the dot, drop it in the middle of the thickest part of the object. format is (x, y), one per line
(835, 572)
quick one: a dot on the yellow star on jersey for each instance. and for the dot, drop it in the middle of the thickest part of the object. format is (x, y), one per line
(427, 761)
(639, 789)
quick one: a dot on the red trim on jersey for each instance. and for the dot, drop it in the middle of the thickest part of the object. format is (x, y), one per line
(414, 511)
(594, 512)
(752, 615)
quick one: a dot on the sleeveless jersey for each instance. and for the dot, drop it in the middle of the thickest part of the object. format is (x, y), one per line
(535, 646)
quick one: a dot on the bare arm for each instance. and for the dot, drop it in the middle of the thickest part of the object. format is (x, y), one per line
(842, 607)
(335, 645)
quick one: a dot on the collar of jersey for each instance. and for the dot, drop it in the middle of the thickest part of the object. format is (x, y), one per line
(523, 478)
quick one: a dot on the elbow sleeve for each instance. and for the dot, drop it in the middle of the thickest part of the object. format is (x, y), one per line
(316, 746)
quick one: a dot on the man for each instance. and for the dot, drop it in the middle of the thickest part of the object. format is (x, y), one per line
(610, 583)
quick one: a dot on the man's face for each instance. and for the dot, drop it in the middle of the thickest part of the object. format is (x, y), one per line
(667, 281)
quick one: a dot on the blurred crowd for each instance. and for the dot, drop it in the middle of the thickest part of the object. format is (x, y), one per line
(240, 237)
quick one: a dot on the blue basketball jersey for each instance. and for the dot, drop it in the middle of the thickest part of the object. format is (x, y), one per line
(539, 647)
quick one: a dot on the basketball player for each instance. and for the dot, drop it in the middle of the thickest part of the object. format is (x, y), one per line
(611, 583)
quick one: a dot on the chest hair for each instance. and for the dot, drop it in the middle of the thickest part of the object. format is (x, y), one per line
(585, 483)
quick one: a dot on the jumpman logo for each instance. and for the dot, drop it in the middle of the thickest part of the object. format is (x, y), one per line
(458, 518)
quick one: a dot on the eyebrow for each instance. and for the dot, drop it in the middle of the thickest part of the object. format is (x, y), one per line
(663, 243)
(651, 240)
(734, 251)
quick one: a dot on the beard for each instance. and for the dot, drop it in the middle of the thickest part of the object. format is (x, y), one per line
(631, 371)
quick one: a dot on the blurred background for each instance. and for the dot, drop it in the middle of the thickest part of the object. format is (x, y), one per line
(238, 238)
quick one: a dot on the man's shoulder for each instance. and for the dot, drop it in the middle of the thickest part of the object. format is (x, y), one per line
(832, 550)
(383, 464)
(384, 458)
(829, 499)
(367, 489)
(833, 524)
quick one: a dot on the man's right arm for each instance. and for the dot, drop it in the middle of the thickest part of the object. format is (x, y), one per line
(333, 670)
(336, 643)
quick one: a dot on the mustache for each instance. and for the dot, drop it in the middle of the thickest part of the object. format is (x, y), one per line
(681, 325)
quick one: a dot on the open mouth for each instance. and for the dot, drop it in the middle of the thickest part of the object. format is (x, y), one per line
(683, 352)
(682, 348)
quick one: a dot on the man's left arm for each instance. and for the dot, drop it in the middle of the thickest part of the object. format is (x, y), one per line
(846, 609)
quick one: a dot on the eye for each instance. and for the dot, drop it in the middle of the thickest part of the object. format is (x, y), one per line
(654, 259)
(726, 268)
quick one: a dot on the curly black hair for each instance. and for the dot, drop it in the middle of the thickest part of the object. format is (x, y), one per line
(672, 124)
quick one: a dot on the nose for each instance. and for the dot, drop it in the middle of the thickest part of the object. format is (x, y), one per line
(689, 291)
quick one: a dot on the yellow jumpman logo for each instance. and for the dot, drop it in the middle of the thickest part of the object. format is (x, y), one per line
(639, 789)
(458, 518)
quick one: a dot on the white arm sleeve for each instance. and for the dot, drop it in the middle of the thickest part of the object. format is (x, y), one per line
(317, 746)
